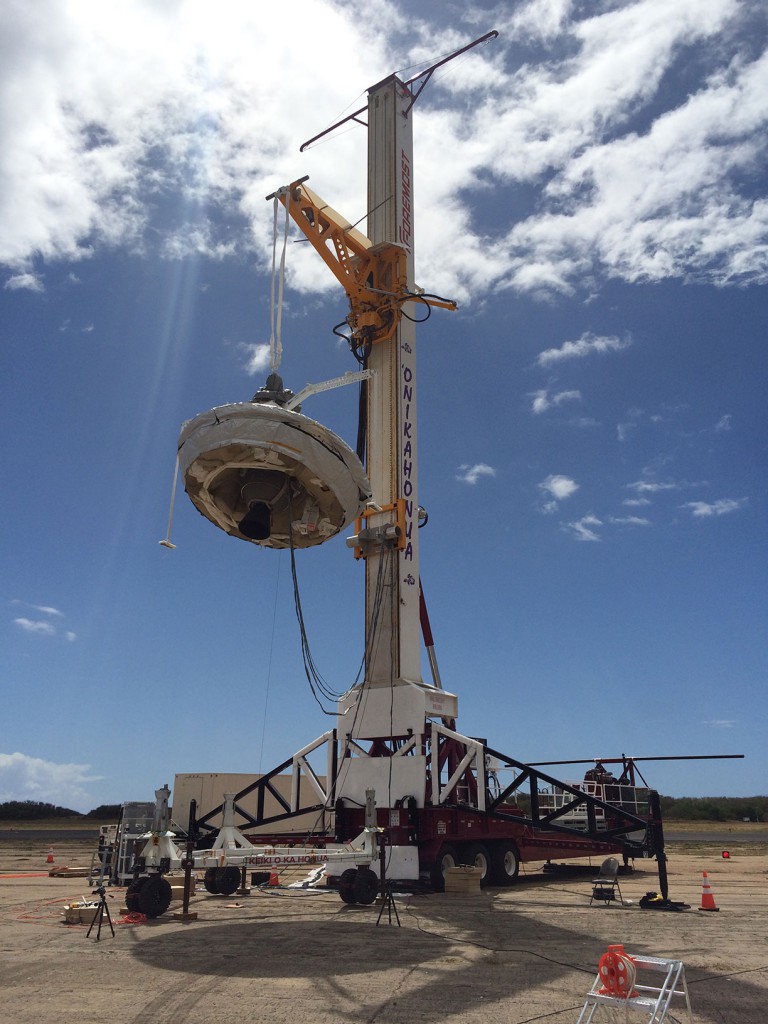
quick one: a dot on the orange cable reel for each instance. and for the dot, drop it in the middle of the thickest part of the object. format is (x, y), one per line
(617, 972)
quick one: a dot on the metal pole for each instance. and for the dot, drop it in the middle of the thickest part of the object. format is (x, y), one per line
(188, 862)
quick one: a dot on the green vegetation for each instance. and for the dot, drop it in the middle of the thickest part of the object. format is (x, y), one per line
(36, 810)
(104, 812)
(697, 808)
(715, 808)
(685, 808)
(31, 810)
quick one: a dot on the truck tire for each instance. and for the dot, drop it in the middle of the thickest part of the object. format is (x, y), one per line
(365, 886)
(505, 862)
(227, 879)
(155, 896)
(477, 856)
(446, 858)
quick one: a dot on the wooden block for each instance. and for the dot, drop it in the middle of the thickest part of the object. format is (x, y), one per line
(463, 879)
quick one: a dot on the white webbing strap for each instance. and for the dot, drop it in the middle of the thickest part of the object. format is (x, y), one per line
(276, 310)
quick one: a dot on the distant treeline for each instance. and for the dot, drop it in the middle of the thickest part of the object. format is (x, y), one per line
(685, 808)
(698, 808)
(33, 810)
(715, 808)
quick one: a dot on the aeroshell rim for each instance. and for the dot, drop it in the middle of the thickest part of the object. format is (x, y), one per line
(270, 410)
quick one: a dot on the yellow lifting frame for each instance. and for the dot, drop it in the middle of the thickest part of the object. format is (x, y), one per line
(373, 276)
(398, 507)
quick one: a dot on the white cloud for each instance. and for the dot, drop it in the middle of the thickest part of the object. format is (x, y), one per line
(44, 609)
(639, 126)
(721, 723)
(706, 509)
(41, 627)
(629, 521)
(623, 430)
(560, 487)
(471, 474)
(644, 205)
(636, 502)
(31, 778)
(35, 626)
(724, 424)
(257, 358)
(541, 19)
(542, 401)
(582, 529)
(117, 107)
(28, 282)
(652, 486)
(588, 344)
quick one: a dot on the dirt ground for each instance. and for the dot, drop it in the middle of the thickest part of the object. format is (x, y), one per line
(515, 955)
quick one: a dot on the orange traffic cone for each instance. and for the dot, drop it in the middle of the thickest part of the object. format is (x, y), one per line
(49, 858)
(707, 899)
(274, 878)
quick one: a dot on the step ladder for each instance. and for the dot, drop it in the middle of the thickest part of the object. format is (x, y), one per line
(652, 1000)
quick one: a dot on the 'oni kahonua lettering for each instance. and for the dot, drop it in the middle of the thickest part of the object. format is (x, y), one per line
(407, 475)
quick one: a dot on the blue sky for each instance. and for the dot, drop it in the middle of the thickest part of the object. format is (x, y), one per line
(590, 187)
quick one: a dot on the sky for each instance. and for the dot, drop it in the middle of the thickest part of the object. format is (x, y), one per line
(590, 187)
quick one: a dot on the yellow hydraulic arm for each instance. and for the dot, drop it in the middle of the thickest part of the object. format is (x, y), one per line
(373, 276)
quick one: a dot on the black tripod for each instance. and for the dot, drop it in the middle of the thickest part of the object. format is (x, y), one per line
(387, 896)
(99, 916)
(388, 904)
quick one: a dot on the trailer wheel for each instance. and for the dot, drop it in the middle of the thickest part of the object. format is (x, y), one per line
(365, 886)
(132, 894)
(211, 881)
(505, 862)
(227, 879)
(477, 856)
(346, 883)
(155, 896)
(446, 858)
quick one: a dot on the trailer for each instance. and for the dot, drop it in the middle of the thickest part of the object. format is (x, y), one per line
(471, 822)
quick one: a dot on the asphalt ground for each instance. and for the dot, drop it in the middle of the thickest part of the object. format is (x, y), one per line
(521, 954)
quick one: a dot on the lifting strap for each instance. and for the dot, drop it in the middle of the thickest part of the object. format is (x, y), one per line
(276, 314)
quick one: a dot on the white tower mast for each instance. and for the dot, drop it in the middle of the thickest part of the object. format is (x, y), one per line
(384, 724)
(388, 713)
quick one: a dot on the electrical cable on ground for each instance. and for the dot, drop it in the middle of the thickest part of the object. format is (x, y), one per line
(498, 949)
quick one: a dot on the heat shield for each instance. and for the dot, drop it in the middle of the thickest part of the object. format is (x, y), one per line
(266, 474)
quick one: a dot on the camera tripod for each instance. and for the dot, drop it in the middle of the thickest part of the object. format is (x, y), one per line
(388, 904)
(99, 916)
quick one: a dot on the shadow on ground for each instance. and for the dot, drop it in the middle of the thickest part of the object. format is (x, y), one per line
(448, 958)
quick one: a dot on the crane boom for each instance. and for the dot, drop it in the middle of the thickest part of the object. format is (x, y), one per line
(375, 277)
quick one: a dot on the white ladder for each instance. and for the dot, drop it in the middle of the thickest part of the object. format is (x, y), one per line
(651, 1000)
